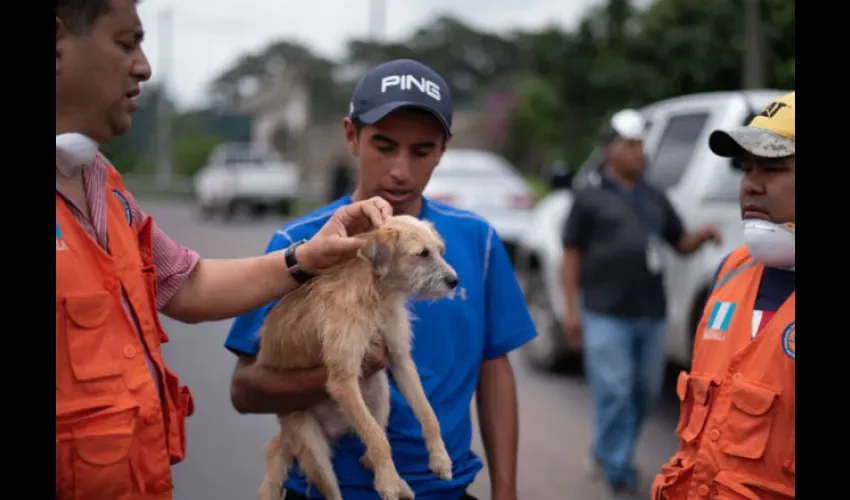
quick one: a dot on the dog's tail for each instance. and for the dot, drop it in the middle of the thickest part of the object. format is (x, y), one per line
(278, 461)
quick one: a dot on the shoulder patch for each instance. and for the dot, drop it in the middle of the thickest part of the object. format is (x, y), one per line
(127, 212)
(788, 340)
(719, 321)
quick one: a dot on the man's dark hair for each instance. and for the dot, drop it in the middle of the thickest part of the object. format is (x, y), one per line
(606, 133)
(358, 125)
(80, 15)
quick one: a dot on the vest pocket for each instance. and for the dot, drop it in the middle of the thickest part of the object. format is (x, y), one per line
(732, 485)
(790, 464)
(730, 488)
(673, 481)
(694, 392)
(92, 356)
(96, 459)
(184, 406)
(748, 425)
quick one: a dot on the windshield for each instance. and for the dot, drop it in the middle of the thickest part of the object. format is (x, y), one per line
(237, 153)
(244, 159)
(472, 164)
(725, 185)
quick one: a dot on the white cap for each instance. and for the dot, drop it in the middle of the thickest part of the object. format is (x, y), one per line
(629, 124)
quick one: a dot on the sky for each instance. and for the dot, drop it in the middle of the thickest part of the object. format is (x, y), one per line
(207, 36)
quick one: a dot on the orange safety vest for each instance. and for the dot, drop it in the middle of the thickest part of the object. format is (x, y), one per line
(116, 433)
(736, 425)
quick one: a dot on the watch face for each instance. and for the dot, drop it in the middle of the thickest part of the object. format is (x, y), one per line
(290, 256)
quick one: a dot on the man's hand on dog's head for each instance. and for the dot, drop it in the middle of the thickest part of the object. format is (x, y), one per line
(337, 241)
(363, 216)
(375, 360)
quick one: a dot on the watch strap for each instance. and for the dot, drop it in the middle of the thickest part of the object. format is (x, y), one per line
(298, 274)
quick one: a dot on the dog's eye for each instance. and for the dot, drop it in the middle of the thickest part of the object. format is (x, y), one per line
(424, 253)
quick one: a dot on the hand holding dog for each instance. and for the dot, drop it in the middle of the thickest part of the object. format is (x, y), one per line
(337, 241)
(375, 360)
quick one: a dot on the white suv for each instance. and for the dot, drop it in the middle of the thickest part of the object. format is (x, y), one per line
(701, 186)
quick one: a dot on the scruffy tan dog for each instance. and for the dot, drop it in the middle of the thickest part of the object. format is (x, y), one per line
(334, 320)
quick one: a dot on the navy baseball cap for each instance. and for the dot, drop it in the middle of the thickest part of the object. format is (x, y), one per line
(401, 83)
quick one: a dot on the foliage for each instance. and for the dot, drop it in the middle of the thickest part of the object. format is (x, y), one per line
(194, 135)
(193, 143)
(562, 82)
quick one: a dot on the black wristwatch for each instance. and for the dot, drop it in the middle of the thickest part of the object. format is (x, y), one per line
(298, 274)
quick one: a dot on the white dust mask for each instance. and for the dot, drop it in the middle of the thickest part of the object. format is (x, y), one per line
(771, 244)
(74, 150)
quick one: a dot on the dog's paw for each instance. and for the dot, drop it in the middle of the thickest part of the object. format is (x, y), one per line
(441, 464)
(390, 486)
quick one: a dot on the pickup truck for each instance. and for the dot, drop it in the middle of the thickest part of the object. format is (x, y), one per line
(701, 186)
(237, 176)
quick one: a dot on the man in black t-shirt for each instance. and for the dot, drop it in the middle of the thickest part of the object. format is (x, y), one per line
(611, 243)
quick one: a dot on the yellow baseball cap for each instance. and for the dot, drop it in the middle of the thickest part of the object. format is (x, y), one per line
(769, 135)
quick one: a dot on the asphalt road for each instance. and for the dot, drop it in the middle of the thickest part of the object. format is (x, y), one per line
(224, 448)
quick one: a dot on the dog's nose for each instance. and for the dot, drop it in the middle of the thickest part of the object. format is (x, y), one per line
(452, 281)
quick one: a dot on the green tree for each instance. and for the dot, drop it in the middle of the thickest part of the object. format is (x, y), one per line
(253, 72)
(619, 56)
(563, 82)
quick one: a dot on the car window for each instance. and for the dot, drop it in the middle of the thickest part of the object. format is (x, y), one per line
(726, 184)
(244, 159)
(675, 149)
(471, 164)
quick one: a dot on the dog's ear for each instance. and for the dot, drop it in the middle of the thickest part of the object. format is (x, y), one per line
(378, 249)
(378, 254)
(432, 228)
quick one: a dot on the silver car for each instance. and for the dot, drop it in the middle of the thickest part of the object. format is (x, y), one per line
(488, 185)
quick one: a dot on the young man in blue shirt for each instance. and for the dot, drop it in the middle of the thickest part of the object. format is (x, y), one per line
(398, 127)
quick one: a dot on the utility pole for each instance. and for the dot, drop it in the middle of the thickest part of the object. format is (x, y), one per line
(164, 168)
(754, 59)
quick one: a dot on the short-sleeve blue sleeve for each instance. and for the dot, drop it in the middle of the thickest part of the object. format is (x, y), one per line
(508, 322)
(243, 338)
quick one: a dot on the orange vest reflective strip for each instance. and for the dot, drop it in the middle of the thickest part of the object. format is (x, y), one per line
(736, 424)
(116, 436)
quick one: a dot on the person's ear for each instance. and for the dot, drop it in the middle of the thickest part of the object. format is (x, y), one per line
(352, 136)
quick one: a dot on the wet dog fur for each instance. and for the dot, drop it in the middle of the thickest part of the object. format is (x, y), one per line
(334, 320)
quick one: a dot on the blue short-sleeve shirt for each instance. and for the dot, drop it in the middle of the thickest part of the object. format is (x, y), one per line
(485, 318)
